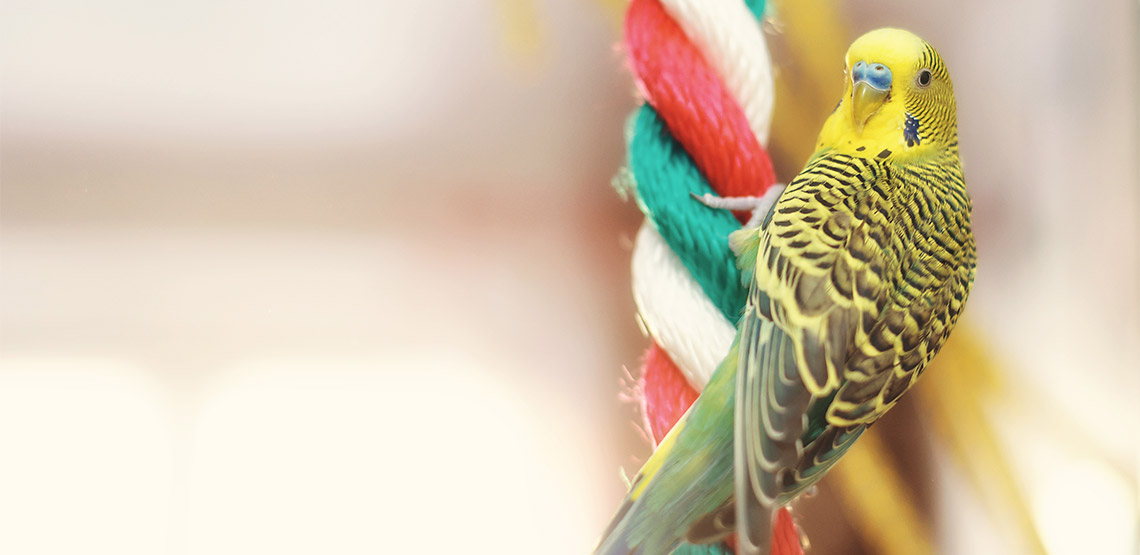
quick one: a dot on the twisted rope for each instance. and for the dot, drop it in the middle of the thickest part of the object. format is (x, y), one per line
(692, 136)
(704, 70)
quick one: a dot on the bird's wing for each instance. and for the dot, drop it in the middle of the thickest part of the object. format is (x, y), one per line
(798, 332)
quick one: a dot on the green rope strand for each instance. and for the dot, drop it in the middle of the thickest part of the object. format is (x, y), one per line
(665, 176)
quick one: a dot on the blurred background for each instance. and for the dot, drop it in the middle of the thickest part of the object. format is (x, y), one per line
(351, 278)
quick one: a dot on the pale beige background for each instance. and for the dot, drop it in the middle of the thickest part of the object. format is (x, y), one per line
(349, 277)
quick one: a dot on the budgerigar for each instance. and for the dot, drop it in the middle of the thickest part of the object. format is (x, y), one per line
(857, 274)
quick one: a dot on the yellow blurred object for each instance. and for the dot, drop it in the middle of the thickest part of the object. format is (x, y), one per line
(807, 54)
(614, 10)
(952, 392)
(521, 30)
(877, 500)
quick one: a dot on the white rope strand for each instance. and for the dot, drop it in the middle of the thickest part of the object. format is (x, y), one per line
(676, 311)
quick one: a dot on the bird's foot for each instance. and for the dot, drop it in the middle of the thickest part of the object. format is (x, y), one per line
(758, 206)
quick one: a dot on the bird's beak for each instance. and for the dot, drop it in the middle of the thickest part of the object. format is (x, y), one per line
(865, 101)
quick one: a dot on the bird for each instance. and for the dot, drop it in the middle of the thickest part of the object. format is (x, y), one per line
(856, 275)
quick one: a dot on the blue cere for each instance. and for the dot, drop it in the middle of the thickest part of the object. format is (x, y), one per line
(876, 75)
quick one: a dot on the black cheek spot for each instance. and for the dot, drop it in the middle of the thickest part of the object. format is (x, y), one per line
(910, 131)
(861, 149)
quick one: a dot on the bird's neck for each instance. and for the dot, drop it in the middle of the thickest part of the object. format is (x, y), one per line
(889, 135)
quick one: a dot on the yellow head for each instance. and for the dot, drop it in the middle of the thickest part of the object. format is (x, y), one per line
(897, 100)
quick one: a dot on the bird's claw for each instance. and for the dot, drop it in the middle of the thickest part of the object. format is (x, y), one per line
(758, 206)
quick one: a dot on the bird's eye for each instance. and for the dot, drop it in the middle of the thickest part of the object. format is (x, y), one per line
(924, 78)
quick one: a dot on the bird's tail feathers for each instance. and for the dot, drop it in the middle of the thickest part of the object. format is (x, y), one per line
(616, 540)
